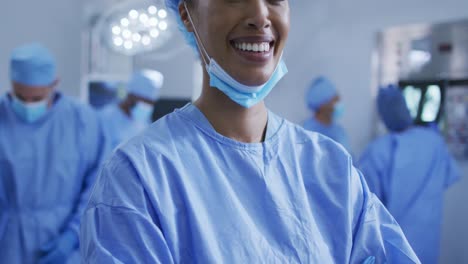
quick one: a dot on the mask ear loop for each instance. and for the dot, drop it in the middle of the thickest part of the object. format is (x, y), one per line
(200, 45)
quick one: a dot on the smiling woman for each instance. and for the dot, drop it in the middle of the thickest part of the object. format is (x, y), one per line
(224, 180)
(220, 25)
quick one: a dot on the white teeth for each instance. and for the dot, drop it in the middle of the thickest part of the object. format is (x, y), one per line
(261, 48)
(253, 47)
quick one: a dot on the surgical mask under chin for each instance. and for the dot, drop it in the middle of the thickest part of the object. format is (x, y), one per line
(142, 112)
(29, 112)
(244, 95)
(338, 112)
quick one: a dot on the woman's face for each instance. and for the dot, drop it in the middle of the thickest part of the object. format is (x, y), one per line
(328, 108)
(245, 37)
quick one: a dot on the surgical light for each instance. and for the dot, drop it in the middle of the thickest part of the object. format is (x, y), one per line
(162, 13)
(145, 40)
(152, 10)
(118, 41)
(163, 25)
(116, 30)
(128, 44)
(143, 18)
(153, 22)
(154, 33)
(136, 37)
(139, 28)
(124, 22)
(126, 33)
(133, 14)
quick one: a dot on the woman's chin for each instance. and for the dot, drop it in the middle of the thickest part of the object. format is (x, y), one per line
(254, 79)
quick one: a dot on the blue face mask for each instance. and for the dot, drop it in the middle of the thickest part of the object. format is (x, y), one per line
(246, 96)
(142, 112)
(29, 112)
(338, 111)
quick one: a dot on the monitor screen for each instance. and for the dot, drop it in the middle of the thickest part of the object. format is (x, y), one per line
(424, 102)
(432, 104)
(413, 98)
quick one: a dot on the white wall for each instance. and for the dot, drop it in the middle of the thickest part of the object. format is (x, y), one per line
(55, 23)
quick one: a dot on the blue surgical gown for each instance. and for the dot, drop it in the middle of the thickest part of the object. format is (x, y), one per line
(333, 131)
(46, 170)
(182, 193)
(409, 172)
(118, 126)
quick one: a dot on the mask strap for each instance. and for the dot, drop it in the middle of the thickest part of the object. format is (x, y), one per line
(200, 46)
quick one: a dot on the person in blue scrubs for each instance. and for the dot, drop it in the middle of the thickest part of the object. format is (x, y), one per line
(323, 101)
(224, 180)
(50, 152)
(409, 170)
(129, 117)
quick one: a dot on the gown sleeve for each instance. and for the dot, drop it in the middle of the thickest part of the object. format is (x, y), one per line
(120, 224)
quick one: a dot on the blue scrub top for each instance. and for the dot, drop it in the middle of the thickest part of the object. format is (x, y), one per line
(182, 193)
(410, 172)
(334, 131)
(47, 169)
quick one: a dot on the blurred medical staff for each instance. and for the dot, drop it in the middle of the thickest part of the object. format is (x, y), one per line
(324, 102)
(129, 117)
(409, 170)
(225, 180)
(50, 151)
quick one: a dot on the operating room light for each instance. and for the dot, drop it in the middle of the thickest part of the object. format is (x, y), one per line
(145, 40)
(138, 29)
(133, 14)
(154, 33)
(143, 18)
(152, 10)
(124, 22)
(118, 41)
(126, 33)
(116, 30)
(163, 25)
(162, 13)
(136, 37)
(153, 22)
(128, 44)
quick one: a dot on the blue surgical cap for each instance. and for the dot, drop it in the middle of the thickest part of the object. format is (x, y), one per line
(173, 6)
(321, 91)
(393, 109)
(146, 84)
(32, 65)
